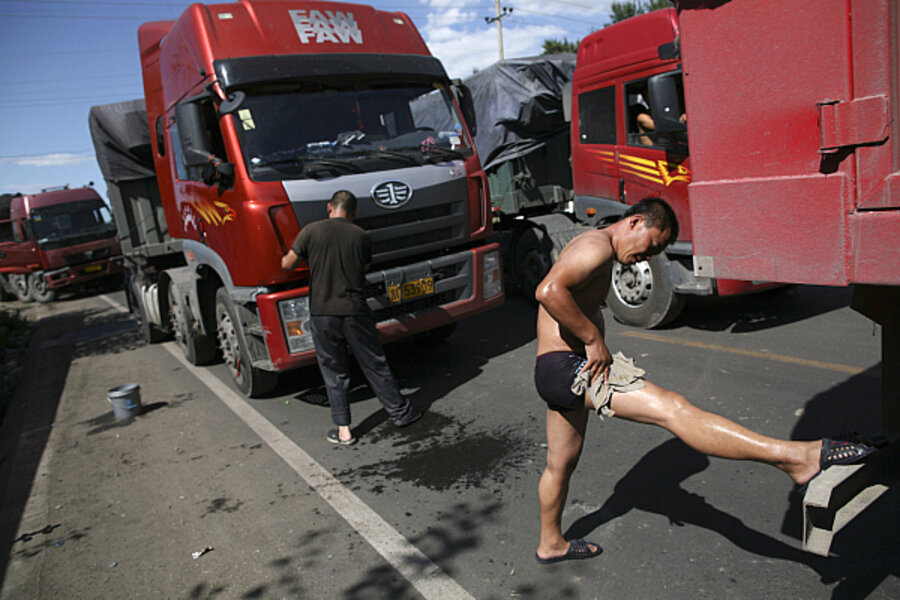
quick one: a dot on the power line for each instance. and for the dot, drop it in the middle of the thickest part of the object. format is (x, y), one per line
(93, 77)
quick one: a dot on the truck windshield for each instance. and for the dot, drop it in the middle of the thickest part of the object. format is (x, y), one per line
(71, 223)
(291, 135)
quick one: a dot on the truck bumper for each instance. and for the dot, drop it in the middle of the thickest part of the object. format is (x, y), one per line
(462, 286)
(67, 276)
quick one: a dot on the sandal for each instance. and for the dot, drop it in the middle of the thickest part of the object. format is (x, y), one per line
(839, 452)
(578, 550)
(334, 438)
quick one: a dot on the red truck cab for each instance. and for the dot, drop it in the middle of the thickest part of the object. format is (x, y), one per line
(258, 111)
(56, 239)
(619, 157)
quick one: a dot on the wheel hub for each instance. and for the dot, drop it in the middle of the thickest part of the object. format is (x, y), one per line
(633, 283)
(228, 341)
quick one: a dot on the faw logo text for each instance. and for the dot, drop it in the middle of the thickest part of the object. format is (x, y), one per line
(317, 26)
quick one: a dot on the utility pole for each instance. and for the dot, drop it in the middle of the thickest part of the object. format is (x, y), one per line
(500, 14)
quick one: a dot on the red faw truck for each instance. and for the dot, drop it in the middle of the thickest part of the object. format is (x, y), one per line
(618, 159)
(257, 112)
(54, 240)
(794, 119)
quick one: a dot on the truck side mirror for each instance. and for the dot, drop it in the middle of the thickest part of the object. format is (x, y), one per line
(567, 101)
(194, 143)
(467, 105)
(665, 107)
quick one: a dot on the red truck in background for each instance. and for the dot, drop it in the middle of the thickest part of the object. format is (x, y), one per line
(795, 133)
(256, 113)
(57, 239)
(618, 159)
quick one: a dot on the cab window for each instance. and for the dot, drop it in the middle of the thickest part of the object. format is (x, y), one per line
(597, 116)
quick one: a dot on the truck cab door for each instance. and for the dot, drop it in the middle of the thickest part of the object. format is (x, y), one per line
(654, 158)
(594, 174)
(17, 254)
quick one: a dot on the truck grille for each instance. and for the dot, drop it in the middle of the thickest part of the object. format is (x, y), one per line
(80, 258)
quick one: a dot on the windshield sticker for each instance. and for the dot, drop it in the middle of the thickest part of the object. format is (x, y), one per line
(332, 26)
(246, 119)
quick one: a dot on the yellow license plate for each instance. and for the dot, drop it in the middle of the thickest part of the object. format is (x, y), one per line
(93, 268)
(411, 289)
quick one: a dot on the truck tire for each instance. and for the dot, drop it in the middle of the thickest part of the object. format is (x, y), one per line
(21, 289)
(196, 347)
(537, 247)
(150, 333)
(40, 289)
(250, 380)
(642, 294)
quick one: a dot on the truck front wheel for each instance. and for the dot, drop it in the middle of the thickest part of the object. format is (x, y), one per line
(20, 287)
(642, 295)
(40, 289)
(251, 381)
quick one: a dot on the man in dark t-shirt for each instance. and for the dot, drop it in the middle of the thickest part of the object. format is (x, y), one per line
(338, 254)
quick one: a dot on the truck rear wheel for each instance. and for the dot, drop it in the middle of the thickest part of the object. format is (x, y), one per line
(196, 347)
(538, 246)
(642, 294)
(40, 289)
(20, 287)
(250, 380)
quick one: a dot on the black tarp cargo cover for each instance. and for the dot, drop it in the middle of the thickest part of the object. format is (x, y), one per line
(121, 140)
(518, 105)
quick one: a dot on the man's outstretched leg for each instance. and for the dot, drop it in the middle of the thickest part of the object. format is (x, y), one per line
(714, 435)
(565, 438)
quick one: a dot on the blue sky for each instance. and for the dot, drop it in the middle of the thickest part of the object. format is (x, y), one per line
(60, 57)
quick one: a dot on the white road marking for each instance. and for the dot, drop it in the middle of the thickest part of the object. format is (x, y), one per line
(428, 578)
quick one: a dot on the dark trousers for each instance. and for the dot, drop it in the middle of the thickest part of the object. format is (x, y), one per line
(332, 335)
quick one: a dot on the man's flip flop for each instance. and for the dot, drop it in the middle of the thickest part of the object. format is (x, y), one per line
(839, 452)
(578, 550)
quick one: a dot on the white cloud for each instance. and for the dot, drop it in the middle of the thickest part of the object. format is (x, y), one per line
(54, 159)
(464, 52)
(463, 42)
(28, 188)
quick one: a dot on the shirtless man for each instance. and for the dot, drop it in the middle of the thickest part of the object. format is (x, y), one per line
(570, 342)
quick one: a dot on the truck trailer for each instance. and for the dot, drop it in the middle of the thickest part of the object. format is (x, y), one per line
(794, 120)
(256, 113)
(54, 240)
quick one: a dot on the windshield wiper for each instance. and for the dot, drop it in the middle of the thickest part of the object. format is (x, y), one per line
(398, 155)
(445, 152)
(314, 167)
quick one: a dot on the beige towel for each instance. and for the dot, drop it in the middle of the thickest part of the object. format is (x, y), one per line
(623, 377)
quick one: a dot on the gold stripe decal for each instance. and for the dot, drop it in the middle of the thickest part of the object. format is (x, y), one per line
(664, 172)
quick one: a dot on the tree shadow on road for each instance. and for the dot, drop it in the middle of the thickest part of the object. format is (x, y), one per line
(300, 574)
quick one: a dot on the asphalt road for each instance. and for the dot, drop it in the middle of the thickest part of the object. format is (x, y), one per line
(457, 491)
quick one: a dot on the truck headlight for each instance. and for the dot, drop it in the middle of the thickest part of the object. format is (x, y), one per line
(295, 320)
(493, 276)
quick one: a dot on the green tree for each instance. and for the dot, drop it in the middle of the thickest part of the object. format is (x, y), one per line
(625, 10)
(559, 46)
